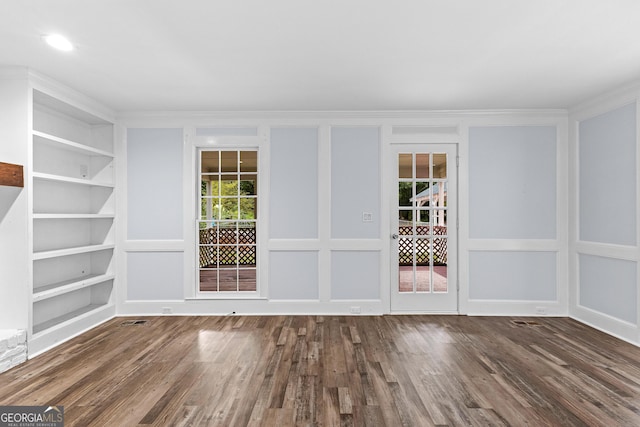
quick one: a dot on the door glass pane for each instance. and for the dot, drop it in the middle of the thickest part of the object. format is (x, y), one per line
(422, 222)
(440, 278)
(422, 231)
(405, 194)
(422, 166)
(405, 251)
(405, 222)
(406, 280)
(423, 251)
(405, 165)
(440, 251)
(439, 194)
(423, 278)
(423, 194)
(440, 220)
(439, 165)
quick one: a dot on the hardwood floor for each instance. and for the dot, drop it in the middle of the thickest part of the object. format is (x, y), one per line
(334, 370)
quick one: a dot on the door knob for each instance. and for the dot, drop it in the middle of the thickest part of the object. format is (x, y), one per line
(394, 236)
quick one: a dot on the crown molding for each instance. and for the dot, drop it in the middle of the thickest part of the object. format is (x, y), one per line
(607, 101)
(392, 115)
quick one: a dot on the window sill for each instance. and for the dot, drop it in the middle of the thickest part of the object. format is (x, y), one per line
(226, 297)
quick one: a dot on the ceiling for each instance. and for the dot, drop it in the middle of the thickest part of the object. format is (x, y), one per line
(241, 55)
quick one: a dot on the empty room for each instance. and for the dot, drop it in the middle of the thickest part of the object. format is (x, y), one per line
(369, 213)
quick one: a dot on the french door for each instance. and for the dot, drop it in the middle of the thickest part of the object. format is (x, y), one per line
(424, 228)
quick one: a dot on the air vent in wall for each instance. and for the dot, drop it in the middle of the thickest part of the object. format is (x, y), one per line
(133, 322)
(525, 322)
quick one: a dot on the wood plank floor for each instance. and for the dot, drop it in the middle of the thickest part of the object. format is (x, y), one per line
(333, 371)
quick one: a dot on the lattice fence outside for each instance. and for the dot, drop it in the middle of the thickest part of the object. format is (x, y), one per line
(228, 246)
(423, 250)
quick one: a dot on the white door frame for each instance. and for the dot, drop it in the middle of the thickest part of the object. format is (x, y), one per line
(431, 302)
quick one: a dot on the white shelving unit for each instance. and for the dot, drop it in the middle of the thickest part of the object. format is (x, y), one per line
(73, 220)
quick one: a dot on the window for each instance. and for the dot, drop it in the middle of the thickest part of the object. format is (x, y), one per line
(227, 225)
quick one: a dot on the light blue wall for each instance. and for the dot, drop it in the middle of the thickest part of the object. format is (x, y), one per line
(293, 275)
(293, 196)
(155, 276)
(605, 284)
(513, 275)
(155, 213)
(610, 286)
(154, 184)
(513, 193)
(607, 158)
(512, 182)
(355, 275)
(355, 182)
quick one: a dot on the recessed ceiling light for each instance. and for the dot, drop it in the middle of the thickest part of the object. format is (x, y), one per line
(58, 42)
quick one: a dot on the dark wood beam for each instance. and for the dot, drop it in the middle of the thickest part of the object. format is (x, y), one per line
(11, 175)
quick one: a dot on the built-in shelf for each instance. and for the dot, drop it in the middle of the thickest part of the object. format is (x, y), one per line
(11, 175)
(61, 288)
(70, 251)
(60, 178)
(73, 219)
(56, 142)
(73, 316)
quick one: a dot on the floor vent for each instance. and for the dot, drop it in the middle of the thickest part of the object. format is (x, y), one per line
(525, 322)
(133, 322)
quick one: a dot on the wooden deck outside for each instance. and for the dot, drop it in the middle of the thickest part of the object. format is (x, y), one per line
(336, 371)
(228, 259)
(423, 278)
(228, 256)
(231, 280)
(228, 280)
